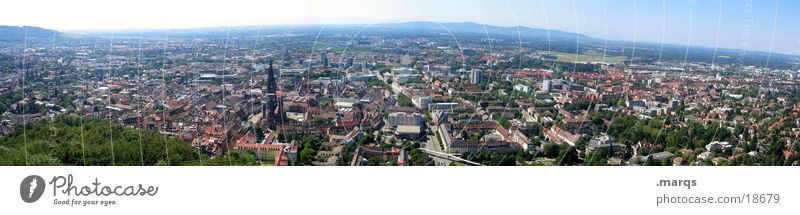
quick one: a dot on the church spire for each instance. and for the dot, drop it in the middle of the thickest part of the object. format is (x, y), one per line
(271, 85)
(272, 109)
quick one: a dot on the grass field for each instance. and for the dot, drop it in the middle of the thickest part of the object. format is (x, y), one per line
(585, 57)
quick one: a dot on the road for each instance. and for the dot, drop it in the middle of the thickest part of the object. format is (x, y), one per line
(449, 157)
(433, 145)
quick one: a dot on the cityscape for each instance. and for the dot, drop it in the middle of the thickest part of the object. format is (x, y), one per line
(389, 94)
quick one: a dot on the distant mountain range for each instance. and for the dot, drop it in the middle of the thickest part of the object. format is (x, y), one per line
(456, 28)
(12, 34)
(536, 39)
(471, 27)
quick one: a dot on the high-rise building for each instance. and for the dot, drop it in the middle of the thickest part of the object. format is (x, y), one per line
(476, 76)
(546, 86)
(324, 58)
(348, 63)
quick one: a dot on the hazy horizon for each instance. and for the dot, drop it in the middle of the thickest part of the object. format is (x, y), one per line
(766, 26)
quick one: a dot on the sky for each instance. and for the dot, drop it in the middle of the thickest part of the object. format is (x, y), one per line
(756, 25)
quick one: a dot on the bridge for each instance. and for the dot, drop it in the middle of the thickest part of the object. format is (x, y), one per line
(449, 157)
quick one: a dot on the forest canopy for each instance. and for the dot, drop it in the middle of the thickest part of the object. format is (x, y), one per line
(77, 141)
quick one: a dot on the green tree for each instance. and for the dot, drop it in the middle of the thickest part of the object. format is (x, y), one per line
(568, 156)
(404, 101)
(74, 140)
(418, 158)
(550, 150)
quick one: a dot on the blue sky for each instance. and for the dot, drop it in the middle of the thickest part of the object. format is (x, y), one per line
(745, 24)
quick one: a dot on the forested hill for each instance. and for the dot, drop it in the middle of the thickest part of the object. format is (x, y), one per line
(14, 34)
(78, 141)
